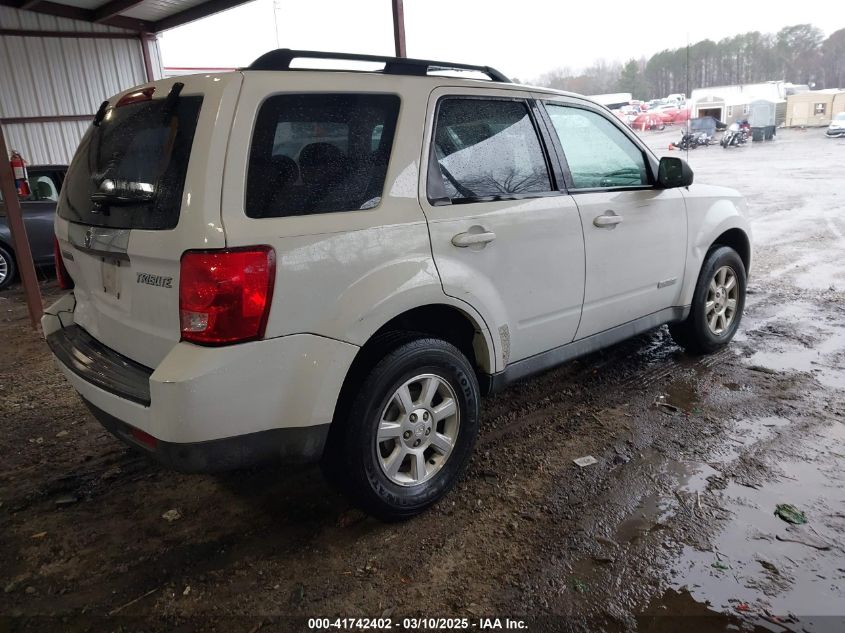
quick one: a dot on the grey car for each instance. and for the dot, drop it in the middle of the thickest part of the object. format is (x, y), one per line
(39, 210)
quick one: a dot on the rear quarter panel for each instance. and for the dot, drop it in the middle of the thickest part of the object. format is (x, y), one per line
(38, 220)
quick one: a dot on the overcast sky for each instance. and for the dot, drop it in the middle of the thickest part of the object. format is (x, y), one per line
(522, 38)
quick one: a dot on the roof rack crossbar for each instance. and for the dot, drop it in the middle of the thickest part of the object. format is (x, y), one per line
(280, 59)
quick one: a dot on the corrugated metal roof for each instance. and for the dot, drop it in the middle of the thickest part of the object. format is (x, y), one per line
(153, 10)
(139, 16)
(83, 4)
(11, 18)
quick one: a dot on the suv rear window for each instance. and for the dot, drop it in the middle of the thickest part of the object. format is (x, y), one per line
(320, 153)
(129, 171)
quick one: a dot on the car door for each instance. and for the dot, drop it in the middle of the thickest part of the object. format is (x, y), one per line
(635, 234)
(39, 211)
(505, 238)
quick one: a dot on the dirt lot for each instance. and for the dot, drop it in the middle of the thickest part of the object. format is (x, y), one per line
(675, 519)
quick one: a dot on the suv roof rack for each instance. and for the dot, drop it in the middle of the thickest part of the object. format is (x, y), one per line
(281, 58)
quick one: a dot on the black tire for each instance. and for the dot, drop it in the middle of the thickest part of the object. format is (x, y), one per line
(11, 268)
(366, 480)
(694, 333)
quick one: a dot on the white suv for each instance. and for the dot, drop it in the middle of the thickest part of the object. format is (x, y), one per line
(307, 264)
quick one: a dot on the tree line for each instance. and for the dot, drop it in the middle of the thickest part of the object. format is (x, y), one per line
(799, 54)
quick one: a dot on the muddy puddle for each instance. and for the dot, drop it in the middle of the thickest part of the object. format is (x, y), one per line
(758, 567)
(675, 611)
(707, 519)
(800, 338)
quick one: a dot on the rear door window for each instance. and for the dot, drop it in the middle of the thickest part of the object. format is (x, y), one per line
(320, 153)
(129, 172)
(487, 149)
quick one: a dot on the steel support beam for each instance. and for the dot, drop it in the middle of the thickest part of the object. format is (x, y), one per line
(59, 118)
(145, 39)
(23, 254)
(78, 13)
(399, 28)
(83, 35)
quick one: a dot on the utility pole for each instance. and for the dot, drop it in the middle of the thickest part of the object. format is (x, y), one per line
(399, 28)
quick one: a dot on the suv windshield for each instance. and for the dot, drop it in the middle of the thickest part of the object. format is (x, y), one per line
(129, 170)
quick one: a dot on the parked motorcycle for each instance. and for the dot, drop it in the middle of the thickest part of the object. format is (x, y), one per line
(737, 134)
(691, 140)
(700, 133)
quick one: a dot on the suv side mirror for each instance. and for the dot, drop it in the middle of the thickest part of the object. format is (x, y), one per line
(673, 172)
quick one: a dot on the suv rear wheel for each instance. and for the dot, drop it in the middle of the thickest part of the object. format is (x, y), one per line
(717, 304)
(410, 429)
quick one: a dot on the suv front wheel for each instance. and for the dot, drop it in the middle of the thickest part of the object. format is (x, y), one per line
(717, 304)
(410, 429)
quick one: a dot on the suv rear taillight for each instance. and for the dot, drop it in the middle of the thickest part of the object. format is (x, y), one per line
(64, 279)
(225, 295)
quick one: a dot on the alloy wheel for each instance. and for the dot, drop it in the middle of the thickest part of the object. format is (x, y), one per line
(721, 303)
(418, 429)
(4, 268)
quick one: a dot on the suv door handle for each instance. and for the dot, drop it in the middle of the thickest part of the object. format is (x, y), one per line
(462, 240)
(608, 220)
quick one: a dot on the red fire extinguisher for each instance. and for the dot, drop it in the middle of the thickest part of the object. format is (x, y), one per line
(19, 169)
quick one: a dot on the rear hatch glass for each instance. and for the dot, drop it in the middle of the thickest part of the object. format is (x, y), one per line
(129, 170)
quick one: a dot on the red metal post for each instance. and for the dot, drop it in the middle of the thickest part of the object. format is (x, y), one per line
(23, 254)
(399, 28)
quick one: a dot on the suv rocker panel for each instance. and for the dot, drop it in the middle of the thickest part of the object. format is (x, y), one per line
(552, 358)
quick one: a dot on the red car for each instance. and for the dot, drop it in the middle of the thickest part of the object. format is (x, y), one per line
(682, 116)
(648, 121)
(667, 115)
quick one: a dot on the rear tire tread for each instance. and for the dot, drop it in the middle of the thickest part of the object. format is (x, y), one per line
(362, 478)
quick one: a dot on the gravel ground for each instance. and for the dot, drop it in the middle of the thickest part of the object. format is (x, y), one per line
(675, 520)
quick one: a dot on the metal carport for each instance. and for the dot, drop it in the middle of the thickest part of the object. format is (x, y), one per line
(59, 60)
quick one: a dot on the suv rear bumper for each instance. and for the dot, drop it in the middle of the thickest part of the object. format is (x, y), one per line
(208, 408)
(95, 363)
(293, 444)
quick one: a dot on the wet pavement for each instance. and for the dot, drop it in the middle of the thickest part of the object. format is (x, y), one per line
(674, 527)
